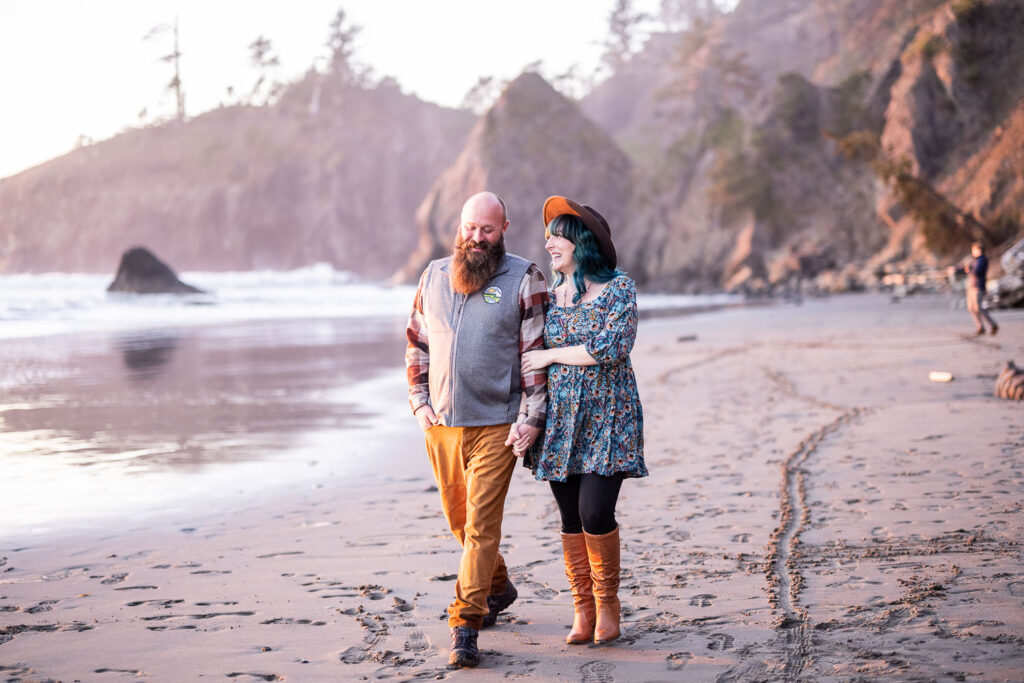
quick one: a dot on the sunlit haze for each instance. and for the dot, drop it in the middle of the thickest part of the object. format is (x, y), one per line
(70, 68)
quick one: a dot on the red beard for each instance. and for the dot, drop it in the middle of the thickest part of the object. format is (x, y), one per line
(470, 270)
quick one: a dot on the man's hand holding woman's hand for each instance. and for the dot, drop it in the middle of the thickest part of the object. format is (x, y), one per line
(425, 416)
(520, 437)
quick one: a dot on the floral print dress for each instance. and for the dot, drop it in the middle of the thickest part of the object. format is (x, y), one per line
(595, 423)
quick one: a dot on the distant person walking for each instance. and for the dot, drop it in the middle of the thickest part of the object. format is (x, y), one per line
(594, 436)
(977, 273)
(474, 314)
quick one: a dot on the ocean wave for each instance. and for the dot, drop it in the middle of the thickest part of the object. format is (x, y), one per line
(58, 303)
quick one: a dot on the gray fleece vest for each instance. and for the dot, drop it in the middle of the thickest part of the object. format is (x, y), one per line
(474, 346)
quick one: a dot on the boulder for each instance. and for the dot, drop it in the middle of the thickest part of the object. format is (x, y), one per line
(1008, 291)
(141, 272)
(1012, 260)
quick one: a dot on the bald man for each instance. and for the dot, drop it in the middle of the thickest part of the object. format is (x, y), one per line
(474, 315)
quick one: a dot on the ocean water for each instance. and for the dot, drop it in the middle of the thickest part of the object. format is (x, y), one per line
(55, 303)
(113, 407)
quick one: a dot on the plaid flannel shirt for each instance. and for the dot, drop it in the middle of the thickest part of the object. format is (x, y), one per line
(533, 302)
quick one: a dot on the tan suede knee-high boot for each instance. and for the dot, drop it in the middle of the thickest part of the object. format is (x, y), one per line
(577, 570)
(604, 569)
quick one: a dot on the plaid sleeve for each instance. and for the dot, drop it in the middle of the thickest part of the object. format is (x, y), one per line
(533, 304)
(417, 352)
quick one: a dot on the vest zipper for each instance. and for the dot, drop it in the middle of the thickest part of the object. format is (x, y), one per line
(455, 345)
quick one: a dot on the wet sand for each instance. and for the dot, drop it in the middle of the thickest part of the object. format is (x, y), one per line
(107, 424)
(817, 510)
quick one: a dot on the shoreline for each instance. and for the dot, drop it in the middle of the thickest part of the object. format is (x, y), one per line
(902, 557)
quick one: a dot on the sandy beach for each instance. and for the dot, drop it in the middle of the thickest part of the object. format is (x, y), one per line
(817, 510)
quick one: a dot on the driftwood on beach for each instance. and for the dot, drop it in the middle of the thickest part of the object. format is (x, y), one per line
(1010, 383)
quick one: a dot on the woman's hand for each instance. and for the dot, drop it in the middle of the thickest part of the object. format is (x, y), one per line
(520, 437)
(535, 361)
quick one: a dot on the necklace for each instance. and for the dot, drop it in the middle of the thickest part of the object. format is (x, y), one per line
(565, 293)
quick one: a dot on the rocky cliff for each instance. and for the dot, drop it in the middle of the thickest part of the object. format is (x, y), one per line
(533, 143)
(330, 173)
(839, 141)
(821, 139)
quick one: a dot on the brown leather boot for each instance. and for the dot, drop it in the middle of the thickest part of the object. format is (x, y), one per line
(604, 570)
(577, 570)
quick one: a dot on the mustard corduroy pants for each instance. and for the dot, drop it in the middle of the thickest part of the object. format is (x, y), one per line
(473, 468)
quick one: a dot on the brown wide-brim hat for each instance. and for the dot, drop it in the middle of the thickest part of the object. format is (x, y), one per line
(592, 220)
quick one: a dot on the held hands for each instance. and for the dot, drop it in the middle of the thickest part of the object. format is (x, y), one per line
(426, 417)
(520, 437)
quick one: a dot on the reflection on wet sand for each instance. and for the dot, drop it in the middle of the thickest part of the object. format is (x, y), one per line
(108, 406)
(147, 353)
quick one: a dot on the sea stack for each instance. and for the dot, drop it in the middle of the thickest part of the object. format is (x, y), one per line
(531, 144)
(141, 272)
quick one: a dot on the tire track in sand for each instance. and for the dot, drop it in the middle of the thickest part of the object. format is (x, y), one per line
(783, 575)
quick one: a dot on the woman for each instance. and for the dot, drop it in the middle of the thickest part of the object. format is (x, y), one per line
(594, 436)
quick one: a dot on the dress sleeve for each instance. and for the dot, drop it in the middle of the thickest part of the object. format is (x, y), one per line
(613, 342)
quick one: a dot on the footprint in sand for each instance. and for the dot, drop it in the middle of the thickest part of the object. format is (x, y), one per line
(373, 591)
(545, 592)
(155, 603)
(44, 606)
(287, 620)
(597, 672)
(741, 538)
(262, 677)
(678, 660)
(115, 578)
(376, 631)
(354, 655)
(417, 642)
(720, 641)
(16, 672)
(130, 672)
(540, 590)
(702, 600)
(184, 627)
(280, 554)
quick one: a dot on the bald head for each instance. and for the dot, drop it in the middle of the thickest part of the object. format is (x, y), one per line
(485, 202)
(484, 218)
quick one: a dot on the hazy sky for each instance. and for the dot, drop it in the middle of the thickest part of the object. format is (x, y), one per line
(81, 67)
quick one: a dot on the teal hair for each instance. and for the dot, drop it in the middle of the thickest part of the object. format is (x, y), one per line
(590, 262)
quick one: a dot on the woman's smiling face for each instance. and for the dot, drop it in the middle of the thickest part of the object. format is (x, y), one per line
(560, 250)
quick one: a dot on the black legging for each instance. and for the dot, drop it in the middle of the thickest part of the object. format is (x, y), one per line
(587, 502)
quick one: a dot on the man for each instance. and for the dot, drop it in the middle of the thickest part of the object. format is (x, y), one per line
(474, 315)
(977, 273)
